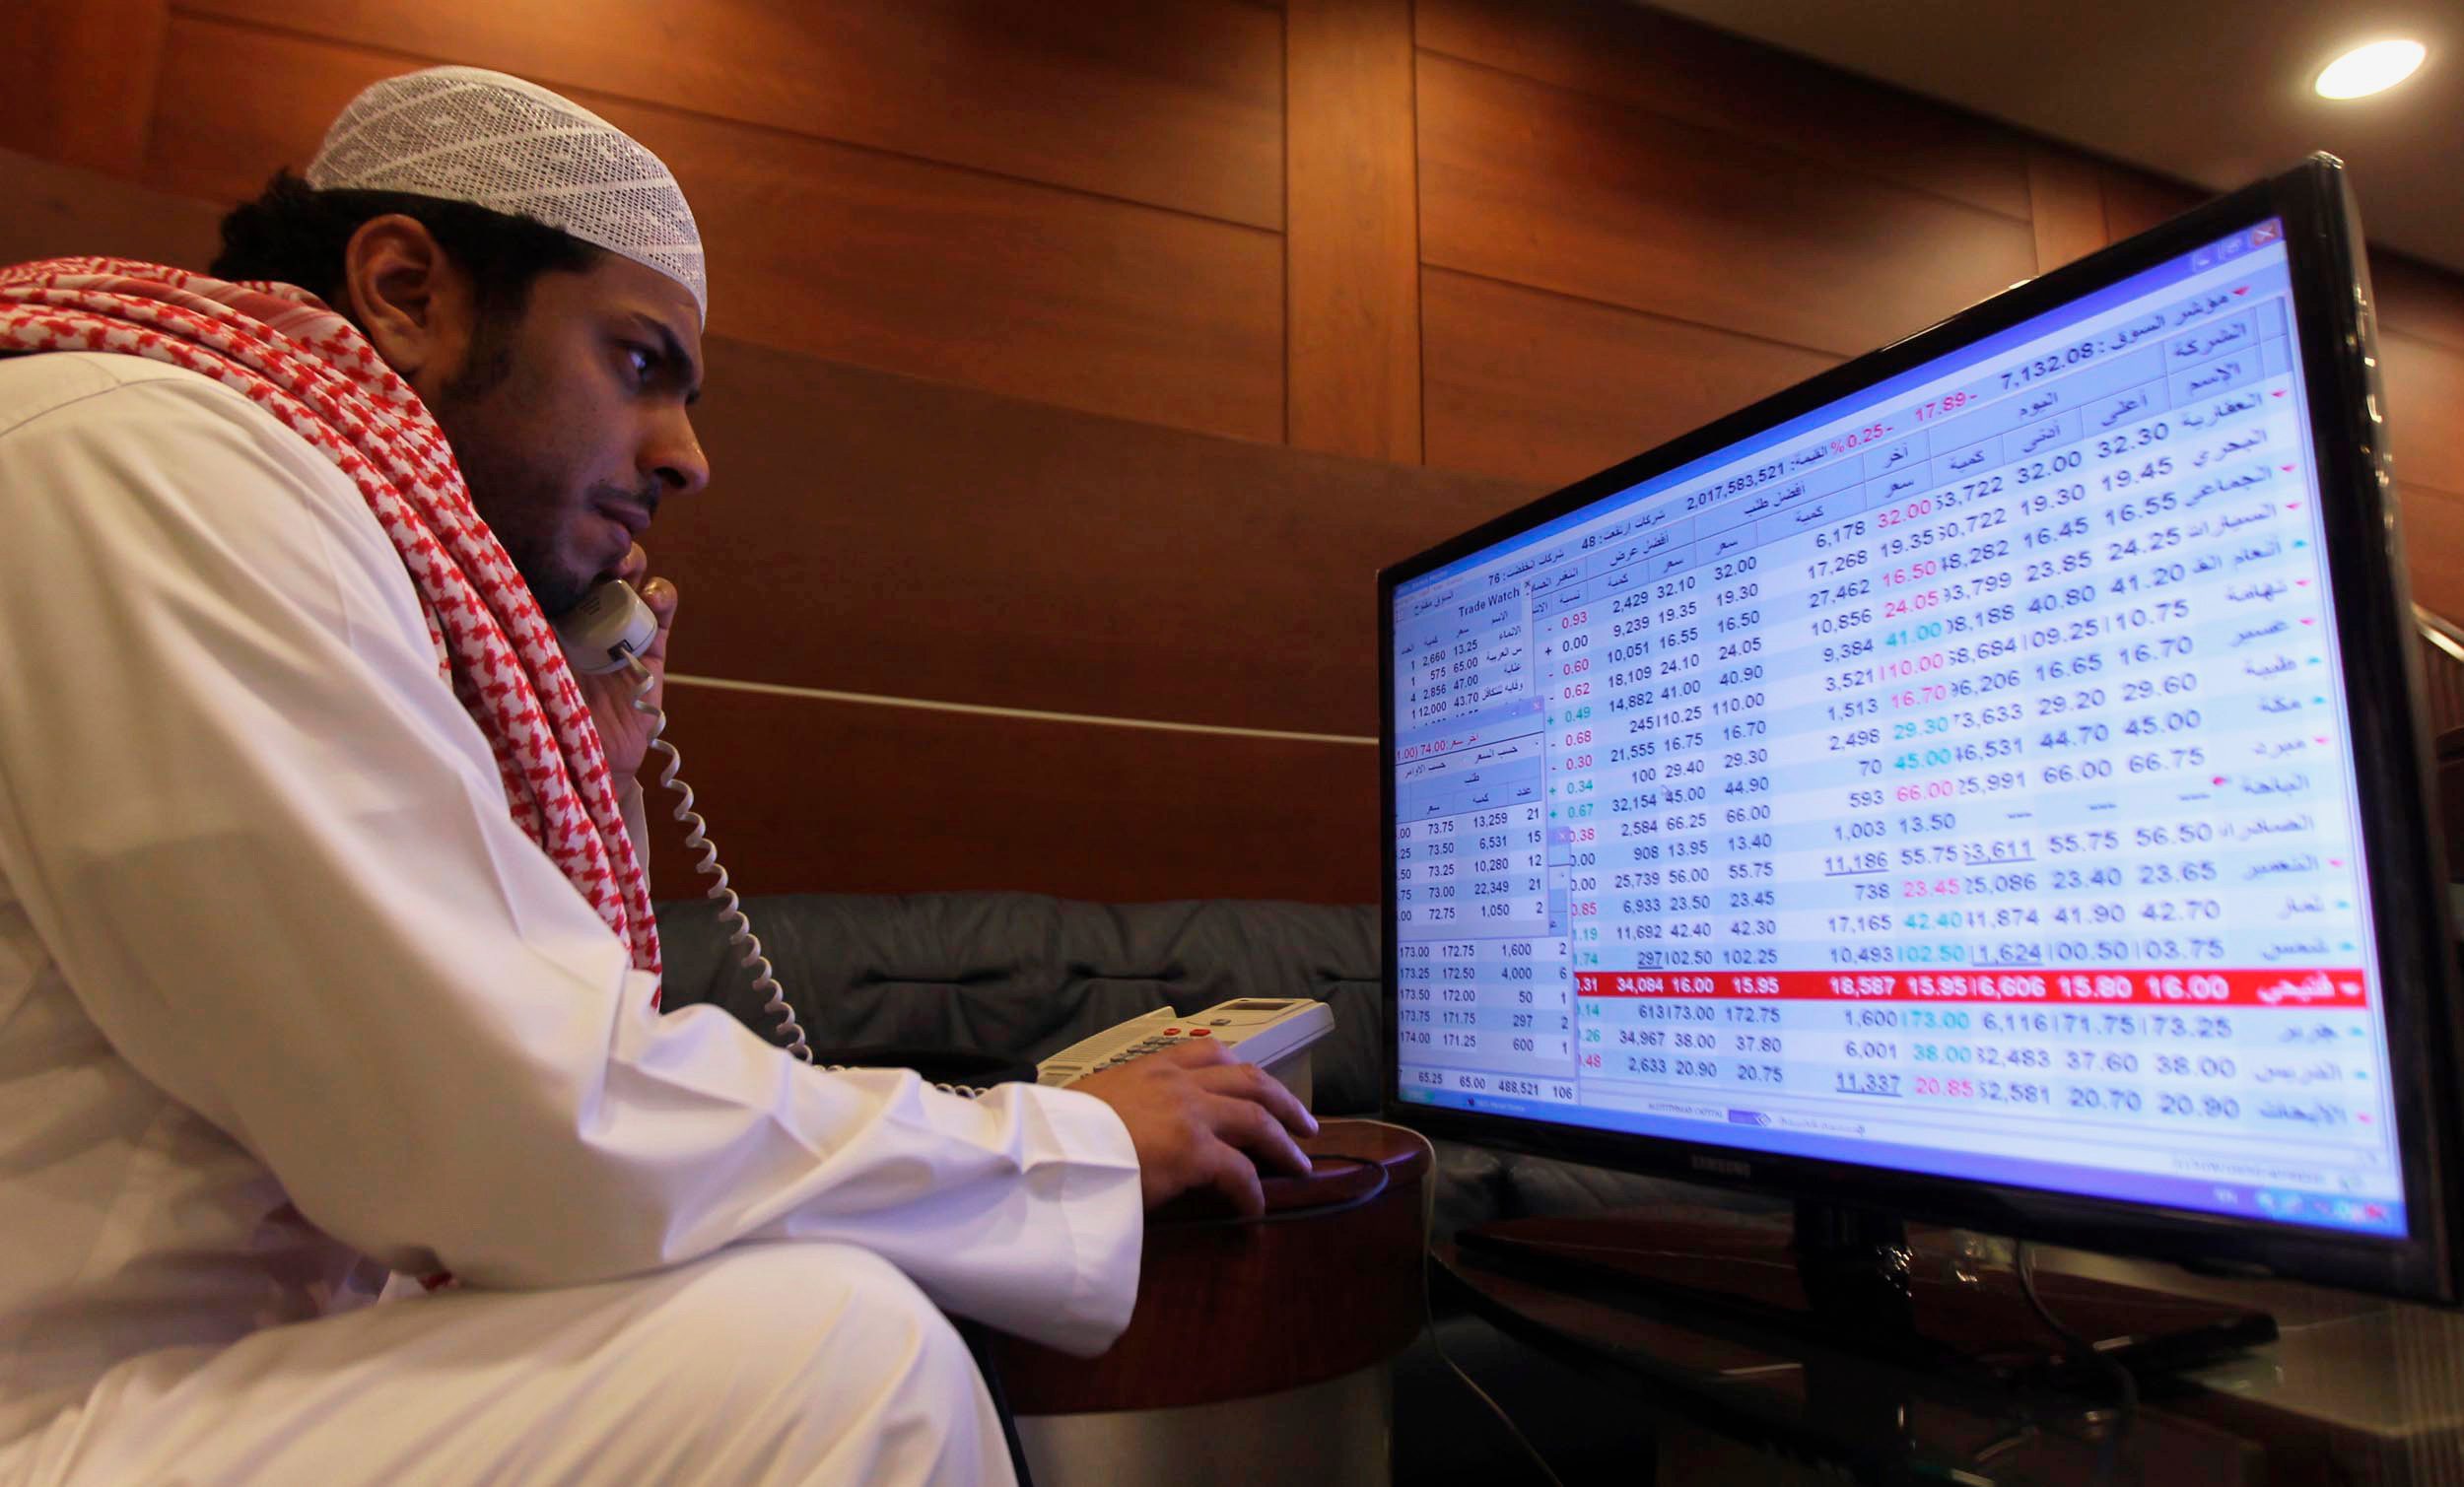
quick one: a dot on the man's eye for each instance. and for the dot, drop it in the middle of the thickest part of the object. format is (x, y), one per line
(645, 362)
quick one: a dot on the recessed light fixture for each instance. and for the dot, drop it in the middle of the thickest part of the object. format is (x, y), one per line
(2365, 70)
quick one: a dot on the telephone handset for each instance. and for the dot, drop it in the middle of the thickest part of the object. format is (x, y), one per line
(610, 629)
(607, 629)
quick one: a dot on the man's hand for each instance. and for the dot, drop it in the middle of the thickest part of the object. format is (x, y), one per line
(623, 732)
(1192, 1112)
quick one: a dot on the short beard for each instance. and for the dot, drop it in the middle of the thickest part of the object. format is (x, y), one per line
(484, 370)
(497, 485)
(555, 590)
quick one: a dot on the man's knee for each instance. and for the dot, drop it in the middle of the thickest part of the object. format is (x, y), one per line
(770, 1366)
(790, 1302)
(826, 1349)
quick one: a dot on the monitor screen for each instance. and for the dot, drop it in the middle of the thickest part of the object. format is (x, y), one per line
(1954, 778)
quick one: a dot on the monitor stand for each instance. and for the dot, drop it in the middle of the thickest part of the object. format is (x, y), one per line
(1852, 1282)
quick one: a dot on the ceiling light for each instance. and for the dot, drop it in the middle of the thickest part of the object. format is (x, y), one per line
(2365, 70)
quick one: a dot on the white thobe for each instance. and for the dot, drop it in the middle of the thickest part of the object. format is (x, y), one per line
(282, 986)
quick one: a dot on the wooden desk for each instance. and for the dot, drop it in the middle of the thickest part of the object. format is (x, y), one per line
(1268, 1340)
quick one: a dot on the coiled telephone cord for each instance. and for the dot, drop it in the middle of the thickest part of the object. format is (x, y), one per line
(784, 1029)
(740, 936)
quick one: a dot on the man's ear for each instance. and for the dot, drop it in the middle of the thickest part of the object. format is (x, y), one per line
(411, 300)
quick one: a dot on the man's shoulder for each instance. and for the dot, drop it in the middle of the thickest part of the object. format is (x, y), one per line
(116, 414)
(139, 454)
(31, 387)
(173, 442)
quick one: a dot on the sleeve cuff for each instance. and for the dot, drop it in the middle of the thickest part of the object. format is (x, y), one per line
(1095, 1181)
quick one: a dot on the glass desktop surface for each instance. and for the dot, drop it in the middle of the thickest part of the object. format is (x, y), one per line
(1954, 779)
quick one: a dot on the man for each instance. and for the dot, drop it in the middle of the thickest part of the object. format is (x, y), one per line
(322, 936)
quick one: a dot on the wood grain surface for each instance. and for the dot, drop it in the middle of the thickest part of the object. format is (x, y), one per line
(1173, 102)
(1229, 1310)
(1603, 200)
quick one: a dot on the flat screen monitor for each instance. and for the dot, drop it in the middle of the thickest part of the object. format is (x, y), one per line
(1981, 782)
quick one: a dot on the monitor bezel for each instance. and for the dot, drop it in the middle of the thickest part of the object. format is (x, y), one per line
(2334, 315)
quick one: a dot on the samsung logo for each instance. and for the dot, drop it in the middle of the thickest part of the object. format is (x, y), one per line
(1722, 1165)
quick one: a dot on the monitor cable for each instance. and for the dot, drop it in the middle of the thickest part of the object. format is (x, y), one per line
(1429, 1314)
(2125, 1385)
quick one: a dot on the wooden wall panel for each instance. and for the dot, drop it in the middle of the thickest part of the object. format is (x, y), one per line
(1536, 185)
(58, 211)
(83, 80)
(1689, 72)
(851, 253)
(1353, 241)
(1175, 103)
(231, 140)
(2433, 544)
(814, 797)
(1544, 389)
(2424, 302)
(2135, 201)
(871, 533)
(2066, 204)
(2425, 410)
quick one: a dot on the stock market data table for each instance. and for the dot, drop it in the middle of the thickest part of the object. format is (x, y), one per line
(1957, 778)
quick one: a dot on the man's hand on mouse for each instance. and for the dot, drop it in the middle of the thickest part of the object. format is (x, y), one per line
(1198, 1118)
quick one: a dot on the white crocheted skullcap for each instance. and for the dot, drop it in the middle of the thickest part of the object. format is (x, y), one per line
(468, 134)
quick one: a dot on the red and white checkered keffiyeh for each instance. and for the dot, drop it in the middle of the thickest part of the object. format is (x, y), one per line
(291, 355)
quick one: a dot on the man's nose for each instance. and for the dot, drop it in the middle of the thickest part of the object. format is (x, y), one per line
(674, 456)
